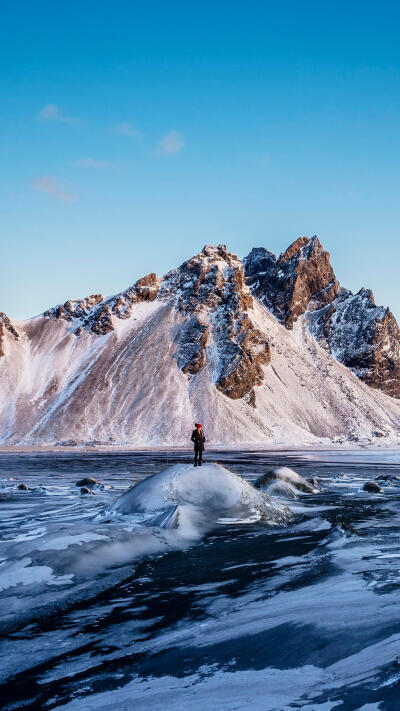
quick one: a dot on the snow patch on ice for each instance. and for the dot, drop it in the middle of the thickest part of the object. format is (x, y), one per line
(22, 572)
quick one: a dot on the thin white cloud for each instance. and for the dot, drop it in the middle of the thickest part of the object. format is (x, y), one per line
(172, 142)
(51, 186)
(128, 129)
(51, 112)
(91, 163)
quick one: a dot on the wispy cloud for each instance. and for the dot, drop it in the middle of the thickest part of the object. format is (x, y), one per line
(91, 163)
(172, 142)
(127, 129)
(51, 186)
(52, 112)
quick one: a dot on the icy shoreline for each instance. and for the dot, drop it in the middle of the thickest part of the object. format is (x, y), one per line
(218, 447)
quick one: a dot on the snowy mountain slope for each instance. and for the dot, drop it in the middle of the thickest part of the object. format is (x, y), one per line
(141, 367)
(361, 335)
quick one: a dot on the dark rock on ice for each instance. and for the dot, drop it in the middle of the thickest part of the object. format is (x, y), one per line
(372, 487)
(87, 481)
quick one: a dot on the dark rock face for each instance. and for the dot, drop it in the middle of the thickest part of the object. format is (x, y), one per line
(210, 289)
(362, 336)
(243, 350)
(191, 346)
(6, 326)
(287, 285)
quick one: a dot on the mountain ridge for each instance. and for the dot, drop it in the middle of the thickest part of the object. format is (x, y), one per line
(207, 341)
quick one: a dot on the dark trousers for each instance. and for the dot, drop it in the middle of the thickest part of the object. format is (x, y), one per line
(198, 455)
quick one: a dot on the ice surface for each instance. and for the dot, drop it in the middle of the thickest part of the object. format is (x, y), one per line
(148, 609)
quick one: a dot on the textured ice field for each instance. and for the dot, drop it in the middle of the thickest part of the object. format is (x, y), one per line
(105, 609)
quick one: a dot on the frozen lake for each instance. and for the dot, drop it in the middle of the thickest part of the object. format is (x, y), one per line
(100, 613)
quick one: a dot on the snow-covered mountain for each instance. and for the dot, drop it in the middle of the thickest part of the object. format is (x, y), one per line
(265, 351)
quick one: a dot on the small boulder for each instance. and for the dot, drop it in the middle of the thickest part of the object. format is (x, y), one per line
(372, 487)
(23, 487)
(85, 490)
(87, 481)
(285, 474)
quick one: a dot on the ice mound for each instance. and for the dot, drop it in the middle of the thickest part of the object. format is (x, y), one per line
(284, 476)
(281, 488)
(211, 491)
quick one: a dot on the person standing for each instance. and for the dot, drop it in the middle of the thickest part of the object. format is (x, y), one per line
(198, 439)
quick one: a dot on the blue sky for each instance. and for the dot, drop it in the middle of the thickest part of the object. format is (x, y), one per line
(133, 133)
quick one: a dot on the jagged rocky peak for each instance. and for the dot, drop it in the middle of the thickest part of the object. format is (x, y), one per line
(205, 279)
(145, 289)
(77, 308)
(6, 326)
(209, 290)
(257, 263)
(362, 336)
(287, 285)
(94, 313)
